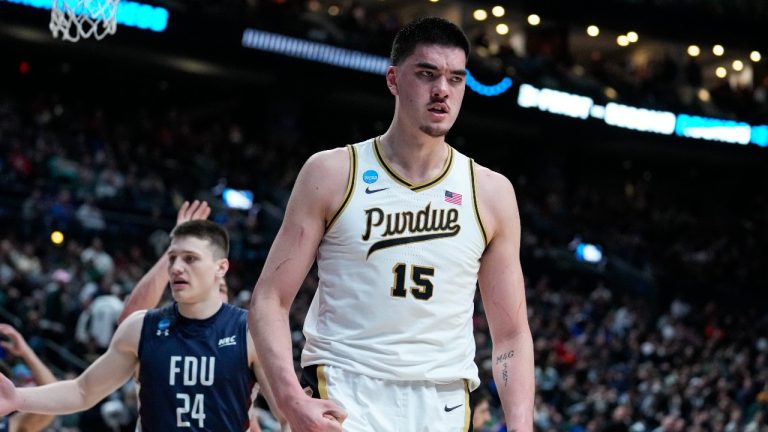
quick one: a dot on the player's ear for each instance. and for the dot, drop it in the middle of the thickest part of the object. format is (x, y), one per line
(392, 80)
(221, 267)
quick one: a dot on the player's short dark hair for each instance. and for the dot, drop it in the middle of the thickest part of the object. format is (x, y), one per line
(214, 233)
(429, 30)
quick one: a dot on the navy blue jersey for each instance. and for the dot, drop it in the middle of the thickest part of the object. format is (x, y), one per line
(194, 374)
(4, 424)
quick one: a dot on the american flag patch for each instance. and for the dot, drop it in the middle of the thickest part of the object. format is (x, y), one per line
(453, 197)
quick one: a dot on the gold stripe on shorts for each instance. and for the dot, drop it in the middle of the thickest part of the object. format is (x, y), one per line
(322, 384)
(467, 409)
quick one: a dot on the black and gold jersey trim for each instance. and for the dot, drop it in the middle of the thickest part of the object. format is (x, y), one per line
(400, 179)
(350, 187)
(474, 202)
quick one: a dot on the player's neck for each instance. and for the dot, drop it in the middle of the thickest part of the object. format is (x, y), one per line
(416, 156)
(200, 310)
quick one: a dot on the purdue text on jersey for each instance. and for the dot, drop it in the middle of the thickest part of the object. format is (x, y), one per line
(441, 223)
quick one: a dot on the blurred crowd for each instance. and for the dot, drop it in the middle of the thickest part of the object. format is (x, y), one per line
(665, 333)
(659, 78)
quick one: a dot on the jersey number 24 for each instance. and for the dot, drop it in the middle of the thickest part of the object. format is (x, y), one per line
(196, 410)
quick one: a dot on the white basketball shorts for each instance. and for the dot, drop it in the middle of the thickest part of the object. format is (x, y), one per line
(378, 405)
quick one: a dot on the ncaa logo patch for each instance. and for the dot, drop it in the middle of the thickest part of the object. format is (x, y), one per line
(162, 327)
(370, 176)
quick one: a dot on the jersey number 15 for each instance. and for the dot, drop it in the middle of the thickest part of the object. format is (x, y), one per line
(419, 275)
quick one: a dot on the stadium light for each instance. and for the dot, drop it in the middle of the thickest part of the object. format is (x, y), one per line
(721, 72)
(57, 237)
(480, 15)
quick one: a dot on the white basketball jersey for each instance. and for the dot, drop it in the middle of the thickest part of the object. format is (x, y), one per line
(398, 269)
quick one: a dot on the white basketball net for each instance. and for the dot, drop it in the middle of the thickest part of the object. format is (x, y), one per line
(76, 19)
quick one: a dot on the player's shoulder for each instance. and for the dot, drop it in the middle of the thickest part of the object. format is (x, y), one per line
(133, 323)
(328, 162)
(135, 318)
(491, 182)
(235, 311)
(324, 178)
(496, 199)
(128, 333)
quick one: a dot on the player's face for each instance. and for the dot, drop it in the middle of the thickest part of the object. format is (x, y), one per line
(429, 85)
(194, 273)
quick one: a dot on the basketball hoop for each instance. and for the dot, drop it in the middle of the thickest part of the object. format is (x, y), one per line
(76, 19)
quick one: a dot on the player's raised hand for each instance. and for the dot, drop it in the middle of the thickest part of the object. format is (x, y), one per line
(194, 211)
(316, 415)
(9, 399)
(15, 344)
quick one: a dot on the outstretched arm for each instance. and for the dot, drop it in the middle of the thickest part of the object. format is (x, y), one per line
(106, 374)
(503, 293)
(149, 290)
(319, 189)
(17, 345)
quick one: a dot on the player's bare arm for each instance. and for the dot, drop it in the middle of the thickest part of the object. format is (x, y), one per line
(265, 389)
(317, 193)
(503, 293)
(106, 374)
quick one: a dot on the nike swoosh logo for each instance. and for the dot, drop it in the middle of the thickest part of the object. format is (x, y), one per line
(452, 408)
(368, 190)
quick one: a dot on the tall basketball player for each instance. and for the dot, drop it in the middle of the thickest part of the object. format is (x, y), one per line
(403, 227)
(196, 361)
